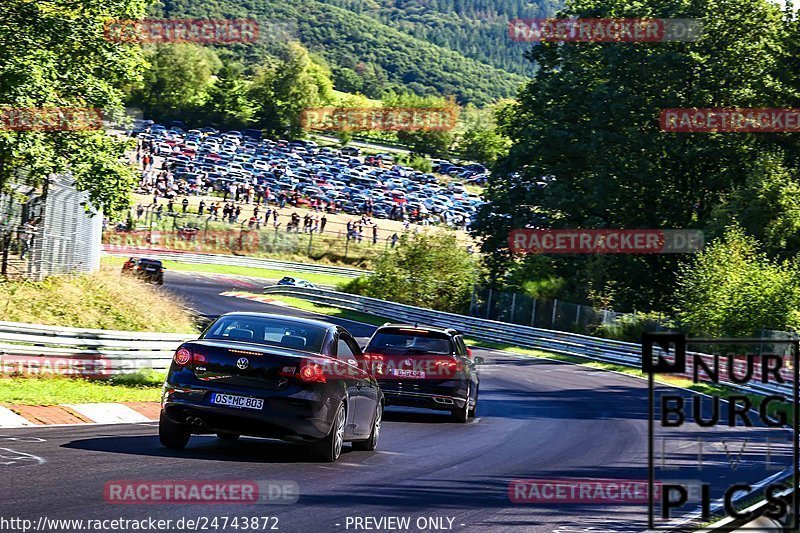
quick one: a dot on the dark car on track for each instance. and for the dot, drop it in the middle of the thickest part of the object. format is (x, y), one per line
(424, 367)
(272, 376)
(150, 270)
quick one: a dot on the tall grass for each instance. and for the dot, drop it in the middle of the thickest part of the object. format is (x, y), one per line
(105, 300)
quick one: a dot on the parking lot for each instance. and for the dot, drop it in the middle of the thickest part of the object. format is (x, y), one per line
(204, 164)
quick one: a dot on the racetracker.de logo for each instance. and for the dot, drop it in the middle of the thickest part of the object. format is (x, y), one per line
(737, 120)
(50, 119)
(199, 491)
(201, 31)
(379, 119)
(598, 30)
(34, 366)
(604, 241)
(579, 490)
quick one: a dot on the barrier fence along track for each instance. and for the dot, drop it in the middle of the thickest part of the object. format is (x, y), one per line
(235, 260)
(124, 351)
(105, 352)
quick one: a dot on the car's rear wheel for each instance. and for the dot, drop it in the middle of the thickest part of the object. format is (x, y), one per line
(227, 437)
(372, 442)
(171, 435)
(330, 448)
(462, 414)
(475, 405)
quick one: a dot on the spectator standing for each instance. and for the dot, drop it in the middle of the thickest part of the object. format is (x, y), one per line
(201, 208)
(395, 238)
(322, 222)
(139, 211)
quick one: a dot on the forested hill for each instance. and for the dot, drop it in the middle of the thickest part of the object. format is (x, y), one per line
(445, 47)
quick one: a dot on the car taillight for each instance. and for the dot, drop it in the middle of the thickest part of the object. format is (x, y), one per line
(183, 356)
(307, 372)
(447, 368)
(375, 364)
(312, 373)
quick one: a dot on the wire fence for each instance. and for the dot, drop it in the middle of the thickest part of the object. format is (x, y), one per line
(554, 314)
(48, 230)
(355, 243)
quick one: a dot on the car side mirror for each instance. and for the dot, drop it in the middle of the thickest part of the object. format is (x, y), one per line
(480, 360)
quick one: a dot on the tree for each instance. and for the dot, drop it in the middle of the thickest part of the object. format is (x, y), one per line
(55, 55)
(434, 142)
(588, 126)
(178, 82)
(733, 289)
(430, 270)
(283, 89)
(479, 138)
(228, 101)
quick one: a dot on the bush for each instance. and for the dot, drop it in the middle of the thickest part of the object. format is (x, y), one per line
(431, 270)
(141, 378)
(629, 327)
(732, 289)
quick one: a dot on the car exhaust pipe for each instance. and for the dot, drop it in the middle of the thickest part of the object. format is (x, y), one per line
(194, 421)
(445, 401)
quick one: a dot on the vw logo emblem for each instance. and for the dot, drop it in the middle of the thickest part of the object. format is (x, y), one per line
(242, 363)
(408, 362)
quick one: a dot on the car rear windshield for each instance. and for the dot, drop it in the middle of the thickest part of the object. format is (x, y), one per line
(410, 342)
(268, 331)
(150, 262)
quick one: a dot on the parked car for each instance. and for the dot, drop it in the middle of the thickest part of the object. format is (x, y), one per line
(424, 367)
(150, 270)
(272, 376)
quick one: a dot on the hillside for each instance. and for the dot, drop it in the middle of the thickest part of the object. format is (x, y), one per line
(372, 47)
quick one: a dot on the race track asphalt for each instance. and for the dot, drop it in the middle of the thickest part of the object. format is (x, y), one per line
(536, 419)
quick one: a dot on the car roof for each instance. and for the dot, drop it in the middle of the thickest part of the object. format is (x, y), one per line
(433, 329)
(286, 318)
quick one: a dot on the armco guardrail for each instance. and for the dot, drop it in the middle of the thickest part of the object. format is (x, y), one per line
(31, 347)
(235, 260)
(595, 348)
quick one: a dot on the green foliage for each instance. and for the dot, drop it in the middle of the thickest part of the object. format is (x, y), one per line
(430, 270)
(371, 52)
(54, 54)
(767, 206)
(588, 126)
(733, 289)
(228, 104)
(283, 88)
(629, 327)
(480, 139)
(177, 82)
(427, 142)
(423, 164)
(141, 378)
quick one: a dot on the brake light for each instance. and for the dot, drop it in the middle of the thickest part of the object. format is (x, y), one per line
(183, 356)
(307, 372)
(198, 358)
(312, 373)
(447, 368)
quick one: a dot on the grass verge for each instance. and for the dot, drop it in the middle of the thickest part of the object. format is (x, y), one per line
(57, 390)
(305, 305)
(105, 300)
(251, 272)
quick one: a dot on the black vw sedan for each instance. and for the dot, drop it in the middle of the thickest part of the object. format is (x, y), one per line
(272, 376)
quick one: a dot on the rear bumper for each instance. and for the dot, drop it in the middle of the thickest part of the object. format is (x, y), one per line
(300, 417)
(443, 397)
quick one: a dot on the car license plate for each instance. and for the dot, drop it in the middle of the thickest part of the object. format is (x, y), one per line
(238, 402)
(417, 374)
